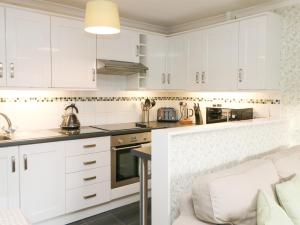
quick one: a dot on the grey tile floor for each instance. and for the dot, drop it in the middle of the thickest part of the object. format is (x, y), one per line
(126, 215)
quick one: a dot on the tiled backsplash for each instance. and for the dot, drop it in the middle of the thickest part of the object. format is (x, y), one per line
(30, 110)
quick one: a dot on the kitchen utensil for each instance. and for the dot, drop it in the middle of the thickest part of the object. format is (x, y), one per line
(198, 115)
(70, 120)
(146, 106)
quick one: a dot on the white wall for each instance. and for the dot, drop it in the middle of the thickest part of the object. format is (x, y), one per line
(31, 110)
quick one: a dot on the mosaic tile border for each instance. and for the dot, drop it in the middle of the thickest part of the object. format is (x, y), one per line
(128, 99)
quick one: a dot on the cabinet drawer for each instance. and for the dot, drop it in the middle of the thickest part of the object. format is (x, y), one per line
(86, 146)
(87, 162)
(88, 196)
(87, 177)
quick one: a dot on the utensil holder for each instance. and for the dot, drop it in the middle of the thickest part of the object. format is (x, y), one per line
(145, 116)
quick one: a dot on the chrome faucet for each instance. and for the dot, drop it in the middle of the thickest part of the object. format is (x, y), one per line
(9, 129)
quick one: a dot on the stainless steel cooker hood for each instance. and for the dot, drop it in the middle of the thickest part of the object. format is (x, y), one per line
(111, 67)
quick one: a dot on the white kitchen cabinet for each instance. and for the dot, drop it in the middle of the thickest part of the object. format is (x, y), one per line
(156, 61)
(220, 58)
(73, 54)
(2, 49)
(177, 62)
(42, 180)
(28, 49)
(195, 61)
(9, 178)
(259, 53)
(121, 47)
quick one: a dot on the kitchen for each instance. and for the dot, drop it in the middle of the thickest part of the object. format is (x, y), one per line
(50, 67)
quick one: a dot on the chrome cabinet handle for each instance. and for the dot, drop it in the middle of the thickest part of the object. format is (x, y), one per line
(94, 74)
(89, 162)
(197, 77)
(203, 77)
(90, 196)
(90, 146)
(25, 162)
(13, 164)
(163, 78)
(12, 70)
(90, 178)
(241, 72)
(169, 78)
(1, 70)
(137, 51)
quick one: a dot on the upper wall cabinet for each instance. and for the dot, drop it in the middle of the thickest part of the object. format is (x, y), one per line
(2, 49)
(176, 62)
(156, 61)
(195, 63)
(121, 47)
(259, 53)
(220, 58)
(73, 54)
(27, 49)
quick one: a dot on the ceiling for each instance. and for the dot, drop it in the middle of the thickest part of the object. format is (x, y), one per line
(171, 12)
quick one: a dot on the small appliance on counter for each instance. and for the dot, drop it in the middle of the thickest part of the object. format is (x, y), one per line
(70, 121)
(167, 114)
(219, 115)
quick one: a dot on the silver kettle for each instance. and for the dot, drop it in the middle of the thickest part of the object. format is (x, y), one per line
(70, 120)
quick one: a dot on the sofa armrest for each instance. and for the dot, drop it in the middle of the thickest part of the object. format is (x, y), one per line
(187, 214)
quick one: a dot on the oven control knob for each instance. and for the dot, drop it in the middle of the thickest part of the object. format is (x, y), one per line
(120, 141)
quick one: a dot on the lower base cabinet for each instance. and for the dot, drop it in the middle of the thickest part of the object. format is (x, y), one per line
(9, 178)
(42, 180)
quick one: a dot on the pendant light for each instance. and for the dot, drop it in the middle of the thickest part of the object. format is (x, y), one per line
(102, 17)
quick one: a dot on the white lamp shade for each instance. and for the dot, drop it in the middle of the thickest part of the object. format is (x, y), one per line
(102, 17)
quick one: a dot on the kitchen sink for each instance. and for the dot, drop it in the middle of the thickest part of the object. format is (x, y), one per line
(4, 138)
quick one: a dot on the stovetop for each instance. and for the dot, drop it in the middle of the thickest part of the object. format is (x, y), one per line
(129, 126)
(82, 130)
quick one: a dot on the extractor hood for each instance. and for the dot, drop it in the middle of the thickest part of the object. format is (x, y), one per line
(111, 67)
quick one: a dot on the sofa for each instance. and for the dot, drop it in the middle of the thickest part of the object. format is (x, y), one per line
(229, 196)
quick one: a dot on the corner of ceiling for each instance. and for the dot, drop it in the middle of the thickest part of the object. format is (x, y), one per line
(79, 13)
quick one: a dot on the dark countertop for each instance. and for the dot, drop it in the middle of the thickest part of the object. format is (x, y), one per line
(144, 152)
(53, 135)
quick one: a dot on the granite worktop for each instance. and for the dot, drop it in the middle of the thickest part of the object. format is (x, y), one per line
(53, 135)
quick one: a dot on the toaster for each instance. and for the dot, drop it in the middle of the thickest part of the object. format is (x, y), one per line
(167, 114)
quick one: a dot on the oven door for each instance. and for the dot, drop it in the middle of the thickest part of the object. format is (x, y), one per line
(124, 166)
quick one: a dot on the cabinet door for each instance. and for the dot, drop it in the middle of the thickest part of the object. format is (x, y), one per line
(195, 61)
(28, 49)
(121, 47)
(156, 61)
(220, 58)
(177, 62)
(9, 178)
(2, 49)
(252, 53)
(73, 54)
(42, 180)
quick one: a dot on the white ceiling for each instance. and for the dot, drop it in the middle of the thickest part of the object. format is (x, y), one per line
(171, 12)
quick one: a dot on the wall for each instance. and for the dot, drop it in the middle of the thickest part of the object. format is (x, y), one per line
(32, 109)
(290, 68)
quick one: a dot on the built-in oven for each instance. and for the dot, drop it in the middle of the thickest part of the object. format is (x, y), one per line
(125, 166)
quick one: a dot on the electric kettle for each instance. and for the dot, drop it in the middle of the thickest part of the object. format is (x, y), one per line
(70, 120)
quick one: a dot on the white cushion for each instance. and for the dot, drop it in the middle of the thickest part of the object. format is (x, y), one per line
(287, 162)
(269, 212)
(289, 197)
(230, 196)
